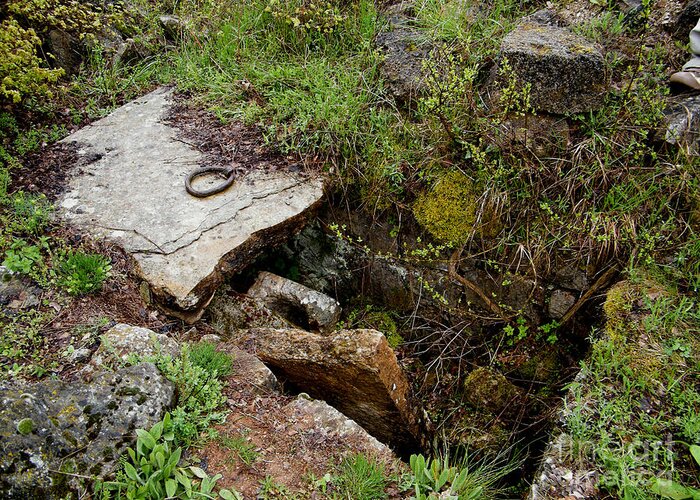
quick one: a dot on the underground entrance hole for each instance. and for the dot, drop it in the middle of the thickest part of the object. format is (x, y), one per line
(440, 351)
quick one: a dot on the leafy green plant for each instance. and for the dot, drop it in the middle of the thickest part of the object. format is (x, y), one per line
(199, 397)
(434, 478)
(81, 273)
(360, 478)
(22, 257)
(623, 374)
(34, 138)
(516, 333)
(668, 488)
(153, 472)
(30, 214)
(23, 347)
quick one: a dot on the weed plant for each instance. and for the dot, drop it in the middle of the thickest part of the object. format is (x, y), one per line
(152, 471)
(360, 478)
(242, 447)
(81, 273)
(205, 356)
(432, 478)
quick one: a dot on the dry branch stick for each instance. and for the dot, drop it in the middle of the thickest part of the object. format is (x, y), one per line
(493, 307)
(599, 283)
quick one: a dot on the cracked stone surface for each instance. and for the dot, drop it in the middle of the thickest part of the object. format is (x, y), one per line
(129, 187)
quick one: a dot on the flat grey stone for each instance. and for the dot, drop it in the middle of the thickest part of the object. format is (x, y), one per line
(332, 423)
(121, 341)
(130, 189)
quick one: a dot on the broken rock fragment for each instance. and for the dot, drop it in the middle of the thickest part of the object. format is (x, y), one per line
(230, 311)
(355, 371)
(330, 423)
(297, 303)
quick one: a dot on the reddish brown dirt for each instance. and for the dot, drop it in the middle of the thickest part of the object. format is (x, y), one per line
(290, 450)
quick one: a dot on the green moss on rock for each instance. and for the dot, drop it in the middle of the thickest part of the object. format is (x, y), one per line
(487, 389)
(448, 211)
(25, 426)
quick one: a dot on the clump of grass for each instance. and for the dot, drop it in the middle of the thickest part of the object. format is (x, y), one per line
(360, 478)
(244, 449)
(81, 273)
(205, 355)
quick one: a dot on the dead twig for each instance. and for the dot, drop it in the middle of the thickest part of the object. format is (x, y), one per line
(492, 306)
(599, 283)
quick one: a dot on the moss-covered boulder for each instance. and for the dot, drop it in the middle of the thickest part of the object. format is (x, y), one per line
(487, 389)
(55, 435)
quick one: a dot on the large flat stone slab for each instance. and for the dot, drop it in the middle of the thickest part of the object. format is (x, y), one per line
(130, 189)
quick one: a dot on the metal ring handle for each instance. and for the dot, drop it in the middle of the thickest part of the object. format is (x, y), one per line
(227, 171)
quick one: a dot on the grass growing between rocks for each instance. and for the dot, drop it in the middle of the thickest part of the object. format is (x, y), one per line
(633, 414)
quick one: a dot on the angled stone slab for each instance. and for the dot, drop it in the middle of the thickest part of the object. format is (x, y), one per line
(355, 371)
(130, 189)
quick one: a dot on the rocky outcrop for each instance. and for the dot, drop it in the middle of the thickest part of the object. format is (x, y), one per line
(130, 189)
(122, 340)
(566, 72)
(404, 51)
(53, 433)
(296, 303)
(355, 371)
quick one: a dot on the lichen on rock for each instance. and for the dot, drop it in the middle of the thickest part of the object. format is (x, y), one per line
(79, 428)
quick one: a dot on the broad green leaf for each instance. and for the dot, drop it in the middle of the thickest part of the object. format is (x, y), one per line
(160, 459)
(670, 489)
(695, 451)
(170, 487)
(229, 495)
(157, 430)
(198, 472)
(146, 438)
(131, 472)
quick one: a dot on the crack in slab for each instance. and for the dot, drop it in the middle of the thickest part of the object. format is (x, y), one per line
(129, 230)
(202, 232)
